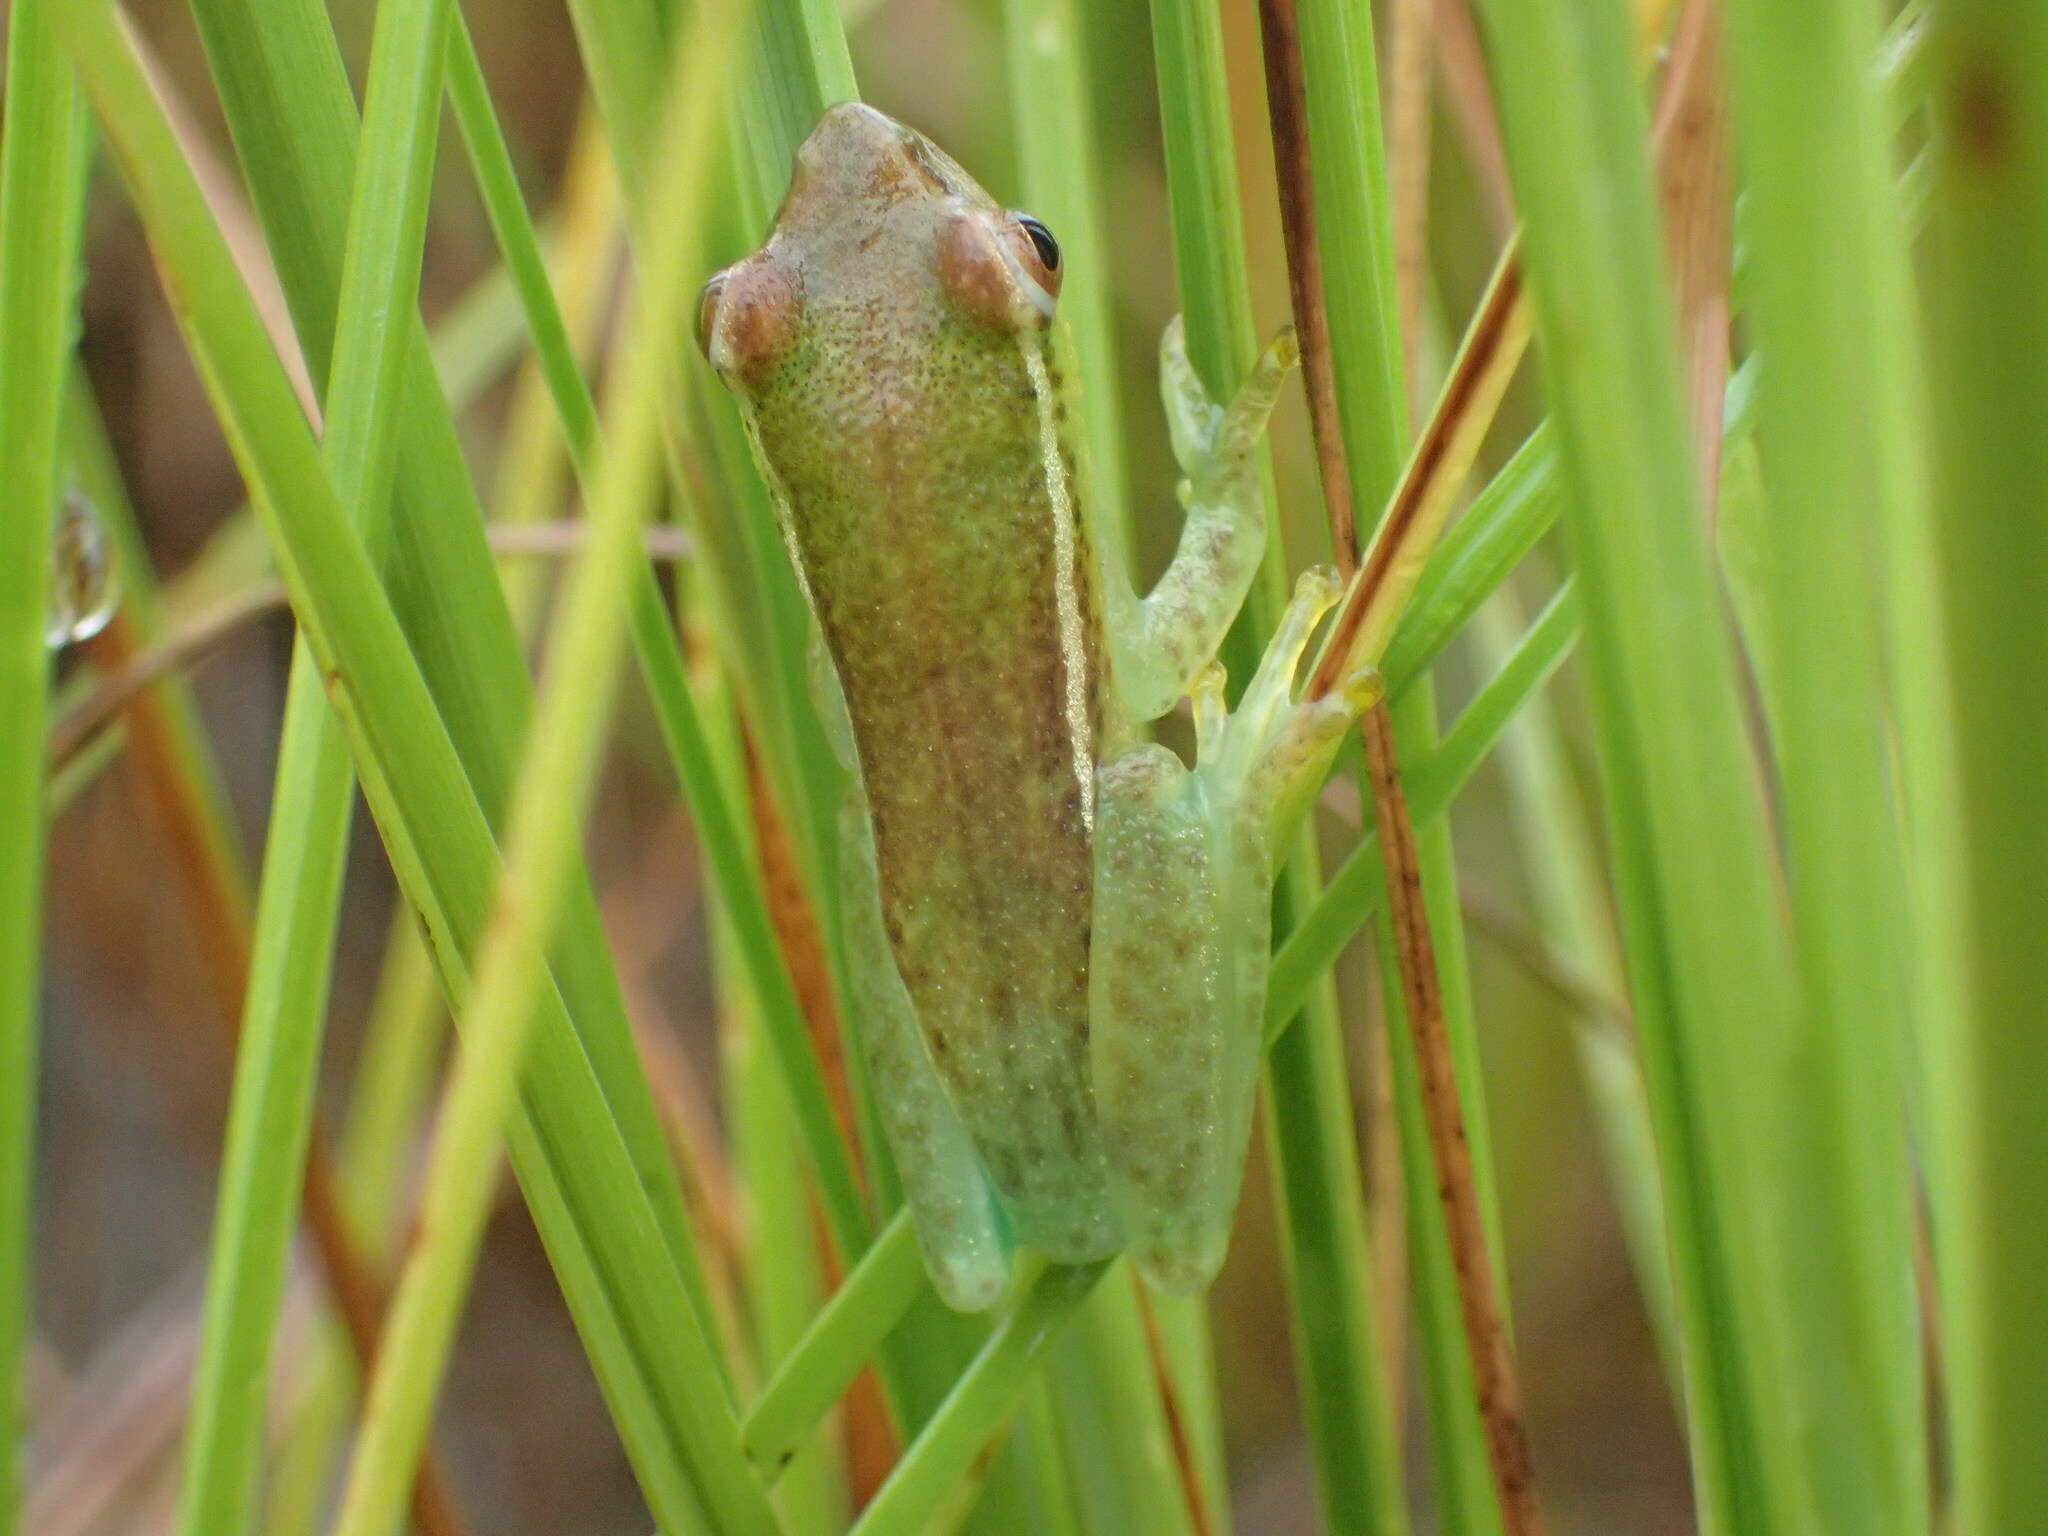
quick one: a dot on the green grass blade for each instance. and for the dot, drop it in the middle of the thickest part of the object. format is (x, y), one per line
(1051, 124)
(42, 160)
(1463, 1475)
(1504, 522)
(281, 1029)
(1560, 859)
(584, 654)
(1353, 228)
(1117, 1456)
(1359, 884)
(285, 95)
(1990, 370)
(1340, 81)
(847, 1331)
(1708, 964)
(978, 1406)
(433, 824)
(662, 669)
(1307, 1102)
(1823, 234)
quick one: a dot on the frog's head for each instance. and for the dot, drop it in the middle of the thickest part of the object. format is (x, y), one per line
(884, 231)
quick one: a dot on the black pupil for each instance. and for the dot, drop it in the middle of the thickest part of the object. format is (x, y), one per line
(1041, 237)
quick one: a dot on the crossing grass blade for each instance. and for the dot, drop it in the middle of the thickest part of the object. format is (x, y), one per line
(434, 826)
(285, 95)
(291, 955)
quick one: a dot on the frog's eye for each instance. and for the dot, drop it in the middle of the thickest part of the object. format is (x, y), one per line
(1041, 238)
(1035, 254)
(707, 312)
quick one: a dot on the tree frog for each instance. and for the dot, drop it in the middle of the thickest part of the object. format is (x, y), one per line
(1059, 933)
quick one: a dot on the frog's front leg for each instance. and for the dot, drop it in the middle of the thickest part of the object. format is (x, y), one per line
(1159, 643)
(1177, 967)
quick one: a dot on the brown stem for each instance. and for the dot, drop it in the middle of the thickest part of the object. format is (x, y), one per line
(802, 943)
(220, 912)
(1176, 1423)
(1280, 29)
(1493, 345)
(1412, 38)
(1493, 1366)
(1492, 348)
(1693, 198)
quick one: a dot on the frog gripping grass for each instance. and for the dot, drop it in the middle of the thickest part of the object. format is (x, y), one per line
(1059, 932)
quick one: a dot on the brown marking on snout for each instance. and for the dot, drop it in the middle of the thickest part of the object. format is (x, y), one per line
(760, 310)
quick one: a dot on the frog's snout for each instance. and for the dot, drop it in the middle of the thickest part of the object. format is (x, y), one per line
(853, 154)
(850, 127)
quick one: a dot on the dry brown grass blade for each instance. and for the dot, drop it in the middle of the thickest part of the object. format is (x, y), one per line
(1176, 1423)
(871, 1442)
(218, 902)
(1493, 1368)
(1468, 96)
(1492, 349)
(1411, 37)
(1421, 503)
(1280, 32)
(1695, 201)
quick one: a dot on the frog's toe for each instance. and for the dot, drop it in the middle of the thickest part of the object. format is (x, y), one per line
(1071, 1227)
(1182, 1269)
(970, 1278)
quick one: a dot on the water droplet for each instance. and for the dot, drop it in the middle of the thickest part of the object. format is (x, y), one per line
(83, 587)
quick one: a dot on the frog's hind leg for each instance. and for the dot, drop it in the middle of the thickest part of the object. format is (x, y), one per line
(1171, 1067)
(1184, 886)
(966, 1251)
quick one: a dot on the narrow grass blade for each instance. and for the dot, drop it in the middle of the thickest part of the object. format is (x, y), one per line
(42, 160)
(1990, 371)
(980, 1403)
(618, 1273)
(870, 1301)
(584, 654)
(1708, 961)
(1306, 1101)
(1824, 244)
(1561, 861)
(285, 94)
(1357, 887)
(285, 1003)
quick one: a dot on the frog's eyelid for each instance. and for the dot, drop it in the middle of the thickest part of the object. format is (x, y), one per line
(1035, 291)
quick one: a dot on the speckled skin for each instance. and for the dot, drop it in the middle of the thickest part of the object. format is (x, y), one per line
(895, 353)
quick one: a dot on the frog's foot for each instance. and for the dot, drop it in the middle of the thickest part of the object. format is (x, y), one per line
(1255, 754)
(1213, 444)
